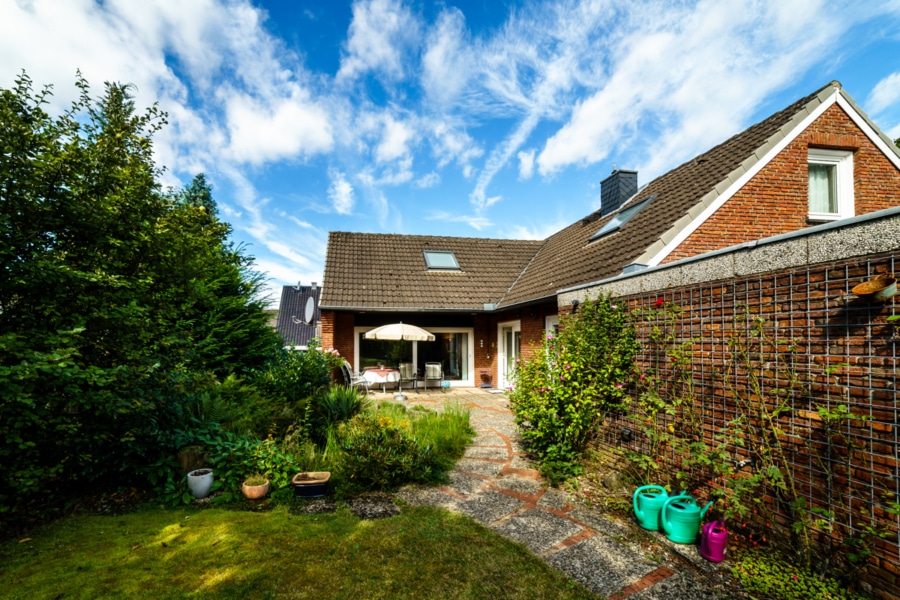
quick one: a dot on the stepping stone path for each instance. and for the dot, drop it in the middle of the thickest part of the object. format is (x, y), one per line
(495, 484)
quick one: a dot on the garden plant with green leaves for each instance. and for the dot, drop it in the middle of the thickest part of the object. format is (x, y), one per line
(563, 392)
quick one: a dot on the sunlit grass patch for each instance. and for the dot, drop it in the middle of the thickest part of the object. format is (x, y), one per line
(421, 553)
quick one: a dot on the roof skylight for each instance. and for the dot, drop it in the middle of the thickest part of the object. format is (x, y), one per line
(441, 259)
(620, 218)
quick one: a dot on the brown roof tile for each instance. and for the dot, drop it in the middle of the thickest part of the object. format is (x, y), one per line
(383, 271)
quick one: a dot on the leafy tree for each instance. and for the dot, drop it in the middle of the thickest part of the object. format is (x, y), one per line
(108, 288)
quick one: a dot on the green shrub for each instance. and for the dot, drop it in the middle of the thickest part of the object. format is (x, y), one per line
(381, 454)
(338, 404)
(763, 573)
(562, 394)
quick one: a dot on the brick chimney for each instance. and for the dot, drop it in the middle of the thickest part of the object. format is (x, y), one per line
(616, 189)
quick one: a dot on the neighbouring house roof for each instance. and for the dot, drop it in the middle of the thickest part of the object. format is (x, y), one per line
(388, 272)
(293, 323)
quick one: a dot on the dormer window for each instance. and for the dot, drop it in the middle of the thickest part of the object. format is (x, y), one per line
(830, 184)
(441, 259)
(621, 217)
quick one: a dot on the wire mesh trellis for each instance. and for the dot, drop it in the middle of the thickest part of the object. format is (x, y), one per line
(840, 428)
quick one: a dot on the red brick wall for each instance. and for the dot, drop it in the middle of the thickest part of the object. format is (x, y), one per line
(337, 333)
(776, 201)
(846, 354)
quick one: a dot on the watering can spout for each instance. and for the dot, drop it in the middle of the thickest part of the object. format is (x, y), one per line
(705, 508)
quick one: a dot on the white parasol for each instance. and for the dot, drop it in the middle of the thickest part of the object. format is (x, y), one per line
(400, 331)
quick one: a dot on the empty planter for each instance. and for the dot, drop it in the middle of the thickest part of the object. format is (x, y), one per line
(200, 482)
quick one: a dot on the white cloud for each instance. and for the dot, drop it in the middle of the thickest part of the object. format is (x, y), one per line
(526, 164)
(288, 128)
(427, 181)
(380, 32)
(477, 222)
(535, 232)
(340, 192)
(886, 93)
(451, 143)
(695, 72)
(447, 61)
(395, 140)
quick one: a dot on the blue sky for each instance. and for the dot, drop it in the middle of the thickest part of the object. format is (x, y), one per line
(482, 118)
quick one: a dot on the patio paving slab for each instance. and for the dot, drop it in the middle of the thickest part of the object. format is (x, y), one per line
(483, 452)
(488, 507)
(529, 487)
(602, 565)
(537, 529)
(554, 499)
(465, 484)
(481, 467)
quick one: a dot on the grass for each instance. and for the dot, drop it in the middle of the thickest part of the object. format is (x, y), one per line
(422, 553)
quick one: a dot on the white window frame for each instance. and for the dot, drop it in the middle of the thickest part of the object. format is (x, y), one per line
(551, 324)
(842, 161)
(470, 350)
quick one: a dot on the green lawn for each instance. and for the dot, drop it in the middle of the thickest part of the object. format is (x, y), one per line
(156, 553)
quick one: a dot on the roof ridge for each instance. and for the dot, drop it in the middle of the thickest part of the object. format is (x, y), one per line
(522, 272)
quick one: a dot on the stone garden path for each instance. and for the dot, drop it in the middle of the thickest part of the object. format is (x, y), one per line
(498, 487)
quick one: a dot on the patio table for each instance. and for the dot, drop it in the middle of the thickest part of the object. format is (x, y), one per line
(382, 375)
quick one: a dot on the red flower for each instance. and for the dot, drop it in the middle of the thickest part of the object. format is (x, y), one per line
(659, 302)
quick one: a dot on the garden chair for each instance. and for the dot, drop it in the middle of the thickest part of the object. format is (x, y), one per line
(433, 372)
(408, 374)
(354, 379)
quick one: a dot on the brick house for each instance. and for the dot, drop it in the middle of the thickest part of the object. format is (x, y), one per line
(489, 301)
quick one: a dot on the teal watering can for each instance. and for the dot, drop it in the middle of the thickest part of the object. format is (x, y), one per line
(680, 517)
(648, 501)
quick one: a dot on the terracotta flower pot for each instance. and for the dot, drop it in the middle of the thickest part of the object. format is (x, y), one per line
(255, 492)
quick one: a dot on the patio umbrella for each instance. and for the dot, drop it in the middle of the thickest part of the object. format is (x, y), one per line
(400, 331)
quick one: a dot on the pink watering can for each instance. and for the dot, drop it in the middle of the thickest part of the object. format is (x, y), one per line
(713, 540)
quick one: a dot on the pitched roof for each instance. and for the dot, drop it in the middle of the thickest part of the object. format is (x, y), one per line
(569, 258)
(385, 271)
(292, 318)
(378, 271)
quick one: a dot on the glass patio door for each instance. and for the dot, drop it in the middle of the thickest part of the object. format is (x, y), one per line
(510, 344)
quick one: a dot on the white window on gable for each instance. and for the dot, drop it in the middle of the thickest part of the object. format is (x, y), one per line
(830, 184)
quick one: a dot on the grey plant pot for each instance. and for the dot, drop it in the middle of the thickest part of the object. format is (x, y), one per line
(200, 482)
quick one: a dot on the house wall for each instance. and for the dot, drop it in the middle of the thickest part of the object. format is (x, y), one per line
(337, 333)
(845, 352)
(775, 201)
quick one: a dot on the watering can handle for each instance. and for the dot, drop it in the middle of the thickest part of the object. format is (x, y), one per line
(637, 492)
(662, 513)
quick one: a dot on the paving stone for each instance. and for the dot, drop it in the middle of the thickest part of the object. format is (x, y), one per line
(488, 506)
(537, 529)
(602, 565)
(554, 499)
(600, 523)
(465, 484)
(518, 484)
(489, 439)
(482, 467)
(520, 462)
(679, 585)
(481, 452)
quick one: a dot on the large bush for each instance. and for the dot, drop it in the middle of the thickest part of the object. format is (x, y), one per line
(562, 393)
(108, 286)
